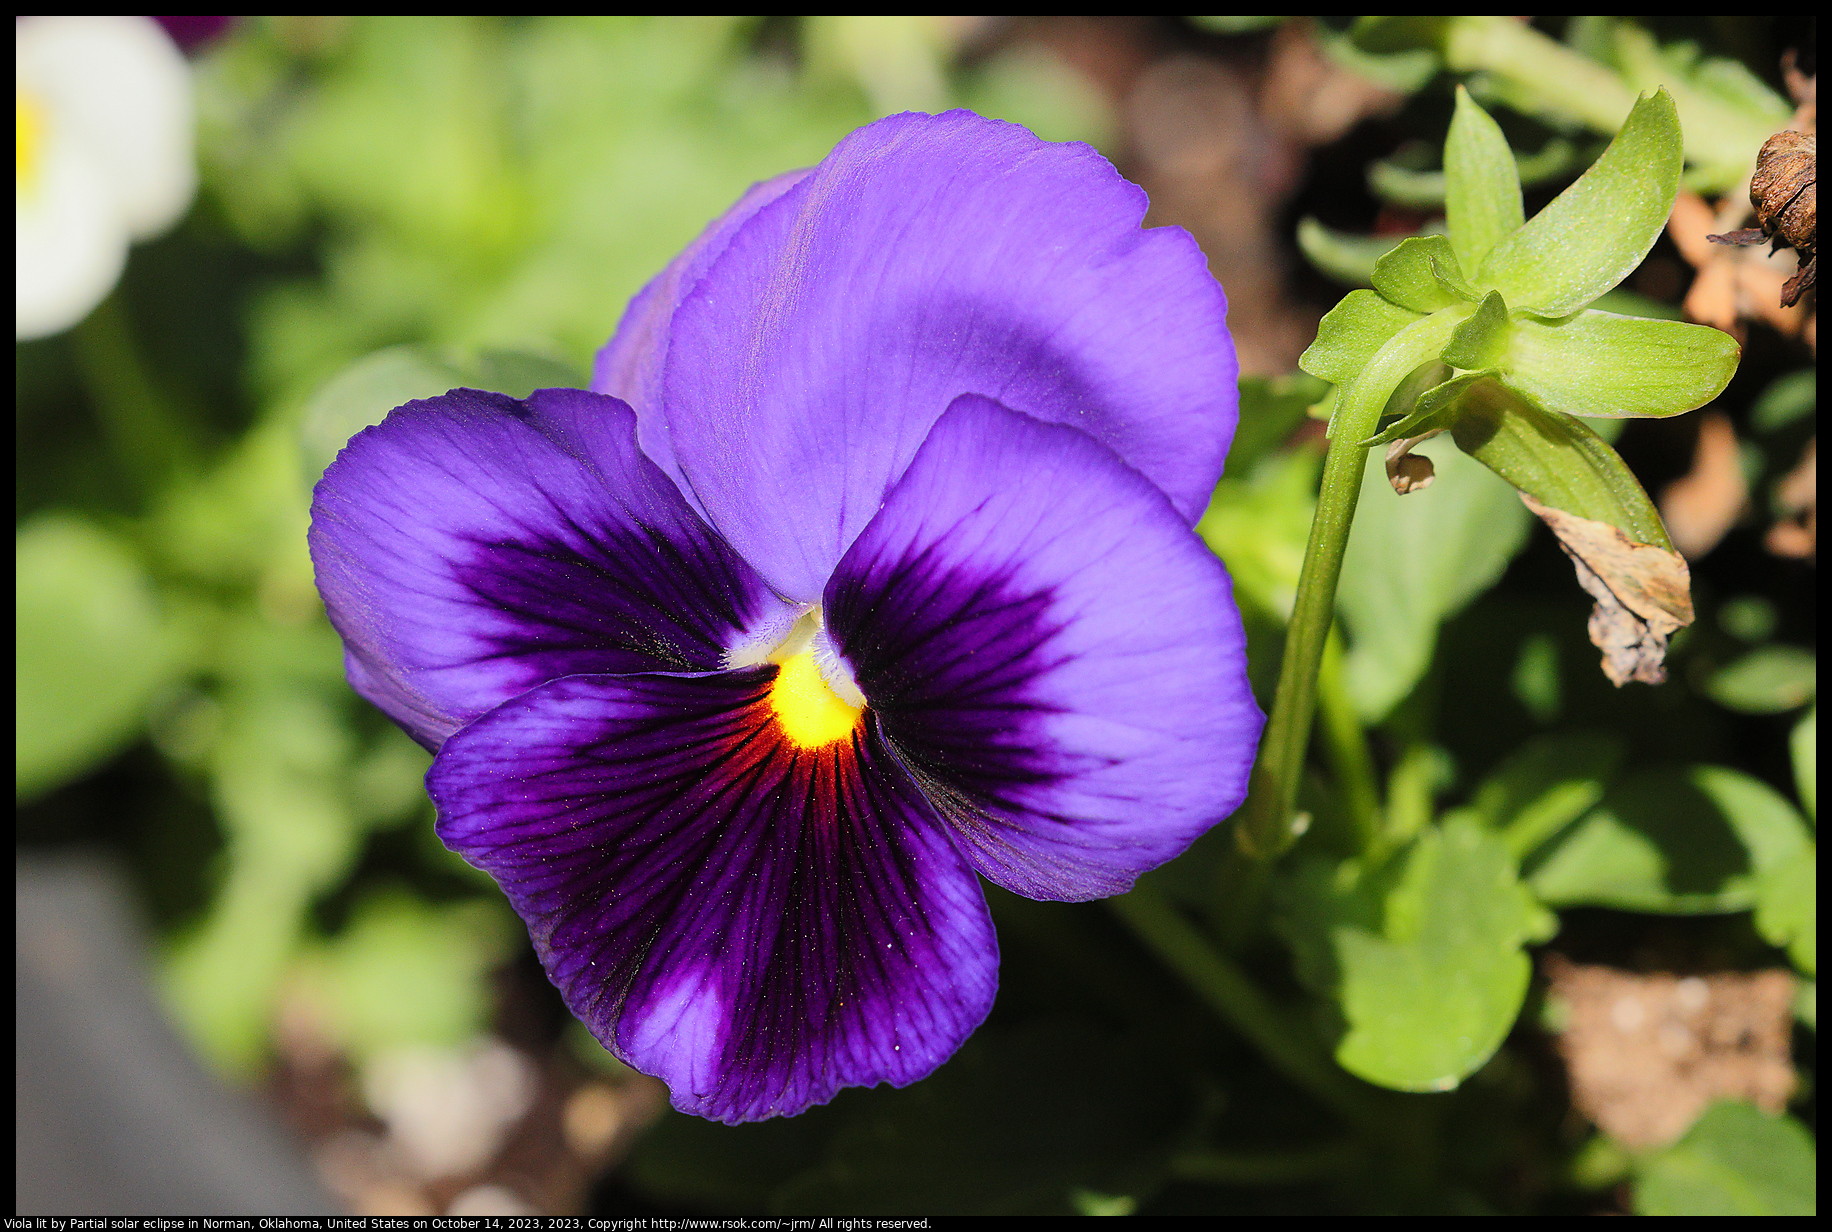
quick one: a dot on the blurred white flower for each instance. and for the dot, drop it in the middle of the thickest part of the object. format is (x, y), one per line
(105, 151)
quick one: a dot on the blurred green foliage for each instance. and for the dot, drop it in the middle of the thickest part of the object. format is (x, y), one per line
(392, 206)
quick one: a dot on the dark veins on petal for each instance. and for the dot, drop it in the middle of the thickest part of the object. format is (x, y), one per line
(687, 839)
(945, 658)
(609, 600)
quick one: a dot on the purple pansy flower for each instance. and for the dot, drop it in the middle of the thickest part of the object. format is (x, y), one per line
(865, 566)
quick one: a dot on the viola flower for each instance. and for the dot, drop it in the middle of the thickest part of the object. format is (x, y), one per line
(866, 566)
(104, 119)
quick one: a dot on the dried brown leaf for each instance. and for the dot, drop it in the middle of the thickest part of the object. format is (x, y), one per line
(1643, 593)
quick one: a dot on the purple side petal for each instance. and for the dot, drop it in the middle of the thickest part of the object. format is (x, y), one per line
(755, 924)
(629, 366)
(927, 257)
(1053, 653)
(470, 547)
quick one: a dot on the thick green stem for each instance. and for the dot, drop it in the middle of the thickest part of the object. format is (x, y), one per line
(1269, 826)
(1228, 991)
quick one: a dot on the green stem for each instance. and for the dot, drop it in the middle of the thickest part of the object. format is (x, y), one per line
(1269, 825)
(1228, 991)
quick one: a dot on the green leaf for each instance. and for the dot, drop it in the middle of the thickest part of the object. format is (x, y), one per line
(362, 395)
(406, 973)
(1235, 25)
(1421, 273)
(1786, 399)
(1737, 1160)
(1546, 785)
(1597, 231)
(1414, 561)
(1424, 955)
(278, 777)
(1016, 1124)
(1767, 680)
(1481, 185)
(1787, 909)
(1404, 71)
(1401, 185)
(1557, 460)
(1803, 746)
(1349, 259)
(1385, 36)
(91, 647)
(1482, 341)
(1271, 408)
(1672, 841)
(1600, 364)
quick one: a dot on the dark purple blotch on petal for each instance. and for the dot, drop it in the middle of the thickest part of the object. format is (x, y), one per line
(1052, 652)
(474, 546)
(757, 924)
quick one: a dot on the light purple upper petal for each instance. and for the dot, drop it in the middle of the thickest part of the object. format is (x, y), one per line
(629, 366)
(758, 925)
(471, 546)
(927, 257)
(1052, 652)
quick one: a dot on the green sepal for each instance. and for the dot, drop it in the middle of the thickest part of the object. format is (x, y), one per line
(1434, 409)
(1673, 841)
(1597, 231)
(1421, 273)
(1349, 337)
(1555, 459)
(1612, 367)
(1481, 184)
(1481, 341)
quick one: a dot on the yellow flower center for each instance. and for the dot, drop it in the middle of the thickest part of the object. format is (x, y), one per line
(812, 715)
(30, 125)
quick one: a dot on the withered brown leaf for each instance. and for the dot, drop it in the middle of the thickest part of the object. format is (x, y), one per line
(1643, 593)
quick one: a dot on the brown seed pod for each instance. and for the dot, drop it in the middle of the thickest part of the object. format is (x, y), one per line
(1785, 194)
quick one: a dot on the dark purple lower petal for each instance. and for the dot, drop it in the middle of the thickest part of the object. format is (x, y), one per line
(1051, 651)
(757, 925)
(472, 546)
